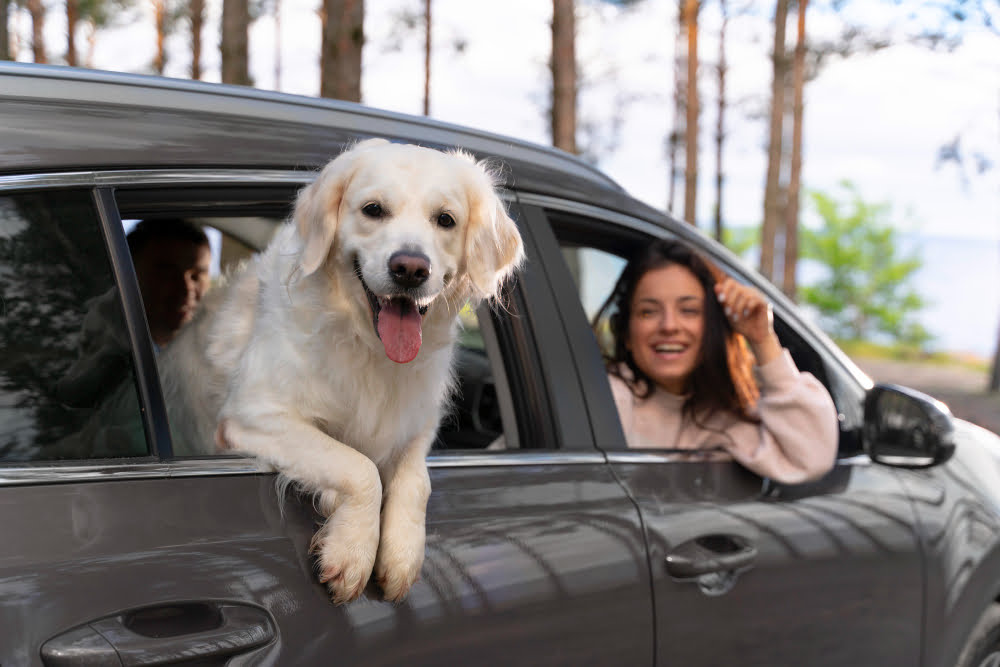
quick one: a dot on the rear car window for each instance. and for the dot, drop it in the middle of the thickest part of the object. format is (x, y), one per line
(479, 418)
(67, 385)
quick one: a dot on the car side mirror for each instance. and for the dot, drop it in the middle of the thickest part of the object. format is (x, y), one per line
(906, 428)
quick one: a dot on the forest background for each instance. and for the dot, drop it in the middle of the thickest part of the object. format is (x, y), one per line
(806, 114)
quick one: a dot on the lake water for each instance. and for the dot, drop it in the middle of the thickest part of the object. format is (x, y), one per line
(960, 279)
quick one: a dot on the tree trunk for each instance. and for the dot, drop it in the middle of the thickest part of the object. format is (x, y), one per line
(795, 177)
(37, 11)
(72, 18)
(564, 75)
(674, 141)
(720, 125)
(196, 9)
(994, 382)
(772, 187)
(427, 57)
(340, 60)
(235, 58)
(5, 50)
(160, 20)
(691, 130)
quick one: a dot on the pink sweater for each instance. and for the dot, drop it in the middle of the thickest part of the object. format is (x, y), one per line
(795, 441)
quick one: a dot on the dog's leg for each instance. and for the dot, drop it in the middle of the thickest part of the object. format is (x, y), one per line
(404, 509)
(350, 488)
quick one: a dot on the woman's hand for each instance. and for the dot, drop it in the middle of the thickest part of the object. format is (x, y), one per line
(749, 313)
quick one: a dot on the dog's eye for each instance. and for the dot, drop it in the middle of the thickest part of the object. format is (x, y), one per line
(373, 210)
(445, 220)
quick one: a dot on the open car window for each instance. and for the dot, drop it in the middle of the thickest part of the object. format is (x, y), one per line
(481, 416)
(596, 253)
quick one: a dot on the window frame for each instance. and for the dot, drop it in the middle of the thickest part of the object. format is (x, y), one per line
(154, 413)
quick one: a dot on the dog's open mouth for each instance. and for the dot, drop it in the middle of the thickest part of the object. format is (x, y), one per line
(397, 322)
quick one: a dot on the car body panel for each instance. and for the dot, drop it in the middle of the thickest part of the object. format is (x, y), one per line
(814, 543)
(508, 548)
(960, 534)
(511, 538)
(801, 600)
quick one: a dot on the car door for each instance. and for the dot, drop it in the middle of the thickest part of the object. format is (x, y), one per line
(824, 573)
(117, 552)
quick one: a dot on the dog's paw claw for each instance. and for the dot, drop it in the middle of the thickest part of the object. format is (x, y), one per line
(344, 570)
(339, 595)
(396, 578)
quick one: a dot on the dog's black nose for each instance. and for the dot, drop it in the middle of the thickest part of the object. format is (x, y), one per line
(409, 269)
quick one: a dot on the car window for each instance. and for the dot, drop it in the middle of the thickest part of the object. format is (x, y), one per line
(595, 254)
(480, 417)
(594, 272)
(67, 386)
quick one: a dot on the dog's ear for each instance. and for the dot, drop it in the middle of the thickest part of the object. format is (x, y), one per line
(317, 208)
(493, 246)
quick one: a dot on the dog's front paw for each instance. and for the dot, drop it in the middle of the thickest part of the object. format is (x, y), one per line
(400, 557)
(345, 557)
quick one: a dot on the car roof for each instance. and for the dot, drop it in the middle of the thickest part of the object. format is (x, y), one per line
(68, 119)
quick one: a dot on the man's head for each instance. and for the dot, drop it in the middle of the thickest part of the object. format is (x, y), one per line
(172, 260)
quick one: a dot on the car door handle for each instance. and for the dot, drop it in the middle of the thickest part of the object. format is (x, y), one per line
(172, 633)
(710, 554)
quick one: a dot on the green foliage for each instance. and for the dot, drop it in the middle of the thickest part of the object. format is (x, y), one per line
(866, 291)
(108, 13)
(904, 352)
(741, 240)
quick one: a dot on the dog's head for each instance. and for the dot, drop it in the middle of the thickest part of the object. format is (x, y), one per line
(416, 229)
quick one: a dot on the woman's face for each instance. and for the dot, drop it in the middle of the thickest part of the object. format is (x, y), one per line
(666, 326)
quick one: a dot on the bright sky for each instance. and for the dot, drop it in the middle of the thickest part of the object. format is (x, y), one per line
(878, 119)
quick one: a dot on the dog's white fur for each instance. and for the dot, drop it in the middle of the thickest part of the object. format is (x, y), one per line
(284, 362)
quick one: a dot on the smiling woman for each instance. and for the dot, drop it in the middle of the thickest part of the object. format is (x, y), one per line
(682, 374)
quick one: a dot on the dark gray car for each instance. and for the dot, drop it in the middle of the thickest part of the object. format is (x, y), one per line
(549, 541)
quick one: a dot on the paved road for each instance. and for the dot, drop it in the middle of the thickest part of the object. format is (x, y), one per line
(963, 389)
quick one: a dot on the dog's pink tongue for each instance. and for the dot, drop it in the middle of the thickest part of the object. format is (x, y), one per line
(399, 329)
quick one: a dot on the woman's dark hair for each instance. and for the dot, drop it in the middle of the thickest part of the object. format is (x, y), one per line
(722, 378)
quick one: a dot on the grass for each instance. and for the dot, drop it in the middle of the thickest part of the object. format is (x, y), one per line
(901, 352)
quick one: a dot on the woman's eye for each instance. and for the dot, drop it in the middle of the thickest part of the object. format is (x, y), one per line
(691, 312)
(373, 210)
(445, 220)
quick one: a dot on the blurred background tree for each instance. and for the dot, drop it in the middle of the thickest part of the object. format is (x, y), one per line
(234, 43)
(36, 8)
(5, 50)
(340, 60)
(564, 80)
(865, 292)
(415, 19)
(196, 22)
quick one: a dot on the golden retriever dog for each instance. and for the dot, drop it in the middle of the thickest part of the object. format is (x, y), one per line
(329, 354)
